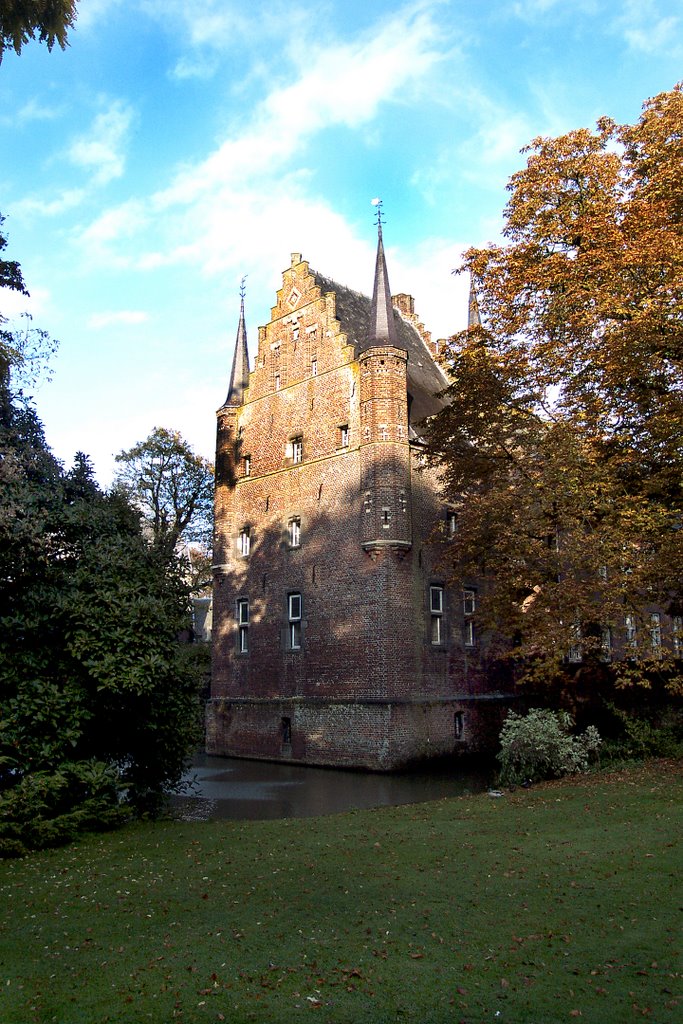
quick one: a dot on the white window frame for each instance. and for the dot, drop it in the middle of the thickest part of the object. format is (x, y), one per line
(242, 616)
(469, 636)
(631, 631)
(451, 523)
(436, 615)
(294, 618)
(294, 532)
(297, 449)
(244, 542)
(314, 367)
(469, 601)
(246, 465)
(344, 436)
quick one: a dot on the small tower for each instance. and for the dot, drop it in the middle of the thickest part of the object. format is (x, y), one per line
(384, 448)
(473, 315)
(227, 442)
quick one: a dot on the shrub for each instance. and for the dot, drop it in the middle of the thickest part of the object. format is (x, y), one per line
(540, 745)
(657, 734)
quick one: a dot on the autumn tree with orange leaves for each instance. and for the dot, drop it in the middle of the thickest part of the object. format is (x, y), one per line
(561, 446)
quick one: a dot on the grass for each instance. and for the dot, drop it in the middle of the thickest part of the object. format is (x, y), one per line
(543, 906)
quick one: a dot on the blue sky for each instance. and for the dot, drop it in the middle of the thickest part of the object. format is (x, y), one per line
(179, 144)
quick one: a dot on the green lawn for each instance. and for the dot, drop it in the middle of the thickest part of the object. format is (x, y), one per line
(560, 902)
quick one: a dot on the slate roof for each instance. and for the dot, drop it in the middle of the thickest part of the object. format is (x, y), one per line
(239, 375)
(425, 377)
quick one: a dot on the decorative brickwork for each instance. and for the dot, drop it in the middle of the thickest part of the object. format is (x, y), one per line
(325, 649)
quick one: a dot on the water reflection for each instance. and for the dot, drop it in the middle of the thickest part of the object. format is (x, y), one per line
(224, 787)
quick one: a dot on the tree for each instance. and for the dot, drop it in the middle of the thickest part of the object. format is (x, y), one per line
(22, 20)
(561, 442)
(172, 487)
(99, 699)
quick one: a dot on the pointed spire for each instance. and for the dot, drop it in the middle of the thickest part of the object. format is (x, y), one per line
(382, 326)
(239, 376)
(473, 317)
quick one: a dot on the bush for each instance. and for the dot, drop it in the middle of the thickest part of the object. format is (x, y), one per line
(658, 734)
(50, 808)
(540, 745)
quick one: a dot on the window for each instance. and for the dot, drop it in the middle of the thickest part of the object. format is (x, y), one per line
(344, 436)
(458, 725)
(243, 625)
(314, 367)
(383, 432)
(246, 464)
(451, 523)
(244, 542)
(469, 606)
(294, 532)
(294, 622)
(277, 381)
(386, 518)
(297, 449)
(656, 633)
(630, 630)
(677, 627)
(436, 615)
(286, 726)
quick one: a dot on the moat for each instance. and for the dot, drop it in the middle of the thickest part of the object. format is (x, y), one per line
(230, 788)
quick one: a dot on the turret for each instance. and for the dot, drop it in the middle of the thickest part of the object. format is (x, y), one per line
(384, 449)
(473, 315)
(227, 443)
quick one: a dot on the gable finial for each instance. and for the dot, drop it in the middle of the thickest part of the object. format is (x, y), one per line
(379, 214)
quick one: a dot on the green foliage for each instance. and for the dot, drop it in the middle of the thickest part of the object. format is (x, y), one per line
(50, 807)
(99, 702)
(171, 486)
(641, 736)
(540, 745)
(22, 20)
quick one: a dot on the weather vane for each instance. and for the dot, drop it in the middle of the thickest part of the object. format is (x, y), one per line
(243, 286)
(380, 213)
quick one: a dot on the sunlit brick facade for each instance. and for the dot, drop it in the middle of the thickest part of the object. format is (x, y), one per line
(336, 638)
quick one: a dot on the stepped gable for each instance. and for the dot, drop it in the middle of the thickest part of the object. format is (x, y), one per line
(425, 378)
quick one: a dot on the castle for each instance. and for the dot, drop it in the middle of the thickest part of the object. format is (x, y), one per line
(336, 639)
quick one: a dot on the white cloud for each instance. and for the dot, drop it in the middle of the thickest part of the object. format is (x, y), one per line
(93, 13)
(14, 304)
(122, 316)
(101, 149)
(34, 110)
(118, 223)
(645, 30)
(32, 206)
(218, 213)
